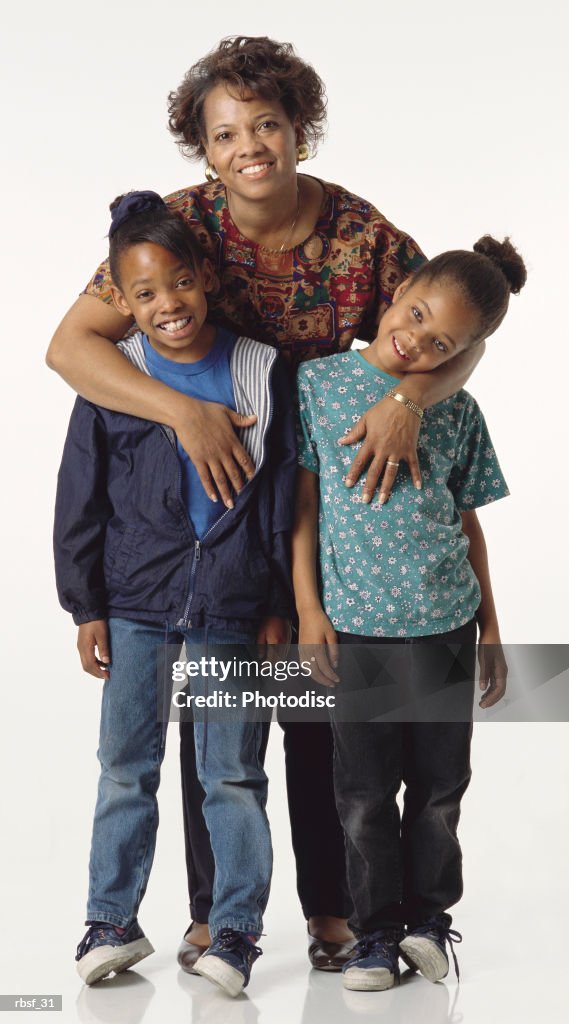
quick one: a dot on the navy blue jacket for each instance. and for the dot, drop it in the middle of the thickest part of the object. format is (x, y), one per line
(124, 544)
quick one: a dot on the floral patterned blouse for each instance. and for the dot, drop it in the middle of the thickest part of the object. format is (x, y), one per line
(312, 300)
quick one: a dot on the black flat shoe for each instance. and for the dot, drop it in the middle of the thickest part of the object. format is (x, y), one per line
(329, 956)
(188, 953)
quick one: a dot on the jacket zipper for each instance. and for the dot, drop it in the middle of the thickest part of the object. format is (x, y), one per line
(170, 437)
(197, 557)
(185, 621)
(169, 434)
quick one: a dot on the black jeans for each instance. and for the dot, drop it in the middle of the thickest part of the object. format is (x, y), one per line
(317, 837)
(404, 869)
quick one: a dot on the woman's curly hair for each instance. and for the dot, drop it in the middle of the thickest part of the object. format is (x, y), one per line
(248, 64)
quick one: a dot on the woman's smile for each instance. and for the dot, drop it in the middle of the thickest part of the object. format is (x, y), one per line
(257, 170)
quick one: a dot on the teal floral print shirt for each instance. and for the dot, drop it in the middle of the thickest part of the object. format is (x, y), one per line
(400, 569)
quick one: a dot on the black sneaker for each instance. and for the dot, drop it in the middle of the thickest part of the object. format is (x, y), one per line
(424, 947)
(229, 960)
(374, 964)
(103, 950)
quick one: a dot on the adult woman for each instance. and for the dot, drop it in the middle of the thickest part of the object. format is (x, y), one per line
(307, 267)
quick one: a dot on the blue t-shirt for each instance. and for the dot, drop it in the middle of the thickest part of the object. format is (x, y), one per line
(399, 569)
(209, 380)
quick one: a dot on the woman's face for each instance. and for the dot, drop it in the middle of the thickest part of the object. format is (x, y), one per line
(250, 142)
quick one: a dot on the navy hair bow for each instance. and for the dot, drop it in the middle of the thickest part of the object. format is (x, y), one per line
(131, 204)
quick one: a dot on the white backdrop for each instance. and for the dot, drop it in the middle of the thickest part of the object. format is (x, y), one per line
(451, 118)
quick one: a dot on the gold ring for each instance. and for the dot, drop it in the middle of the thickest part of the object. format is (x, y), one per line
(390, 463)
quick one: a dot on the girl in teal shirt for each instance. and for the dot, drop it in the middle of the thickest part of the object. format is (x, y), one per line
(413, 571)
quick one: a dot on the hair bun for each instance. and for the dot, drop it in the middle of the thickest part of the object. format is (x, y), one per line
(124, 207)
(507, 258)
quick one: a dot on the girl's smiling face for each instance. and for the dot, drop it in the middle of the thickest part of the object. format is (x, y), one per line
(167, 299)
(427, 324)
(250, 142)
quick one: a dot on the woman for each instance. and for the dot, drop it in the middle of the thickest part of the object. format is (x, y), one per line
(307, 267)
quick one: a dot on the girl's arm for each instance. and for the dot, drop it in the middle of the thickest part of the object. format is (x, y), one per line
(391, 430)
(315, 628)
(83, 353)
(493, 667)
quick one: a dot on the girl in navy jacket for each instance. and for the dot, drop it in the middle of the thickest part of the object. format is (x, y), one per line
(143, 556)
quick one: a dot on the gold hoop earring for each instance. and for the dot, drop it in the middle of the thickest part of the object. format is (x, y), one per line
(302, 152)
(210, 173)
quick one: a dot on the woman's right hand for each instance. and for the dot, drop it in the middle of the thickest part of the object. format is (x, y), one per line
(206, 431)
(318, 643)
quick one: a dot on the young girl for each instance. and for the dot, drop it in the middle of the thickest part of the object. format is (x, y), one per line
(143, 557)
(413, 571)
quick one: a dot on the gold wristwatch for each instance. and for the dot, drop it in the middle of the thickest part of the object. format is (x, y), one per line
(406, 401)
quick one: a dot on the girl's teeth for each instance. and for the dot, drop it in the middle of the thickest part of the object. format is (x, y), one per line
(400, 350)
(175, 325)
(254, 169)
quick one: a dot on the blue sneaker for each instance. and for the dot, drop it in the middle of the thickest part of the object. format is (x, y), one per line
(103, 950)
(424, 947)
(229, 960)
(374, 965)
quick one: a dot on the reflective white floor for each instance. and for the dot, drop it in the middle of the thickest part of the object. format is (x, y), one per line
(513, 915)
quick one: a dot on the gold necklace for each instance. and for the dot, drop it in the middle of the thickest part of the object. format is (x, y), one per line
(291, 228)
(293, 225)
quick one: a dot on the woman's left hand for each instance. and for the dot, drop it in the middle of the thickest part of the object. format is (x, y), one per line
(390, 432)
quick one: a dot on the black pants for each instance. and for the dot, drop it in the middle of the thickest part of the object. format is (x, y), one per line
(405, 870)
(317, 837)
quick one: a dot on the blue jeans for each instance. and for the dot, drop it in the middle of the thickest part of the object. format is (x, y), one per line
(131, 750)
